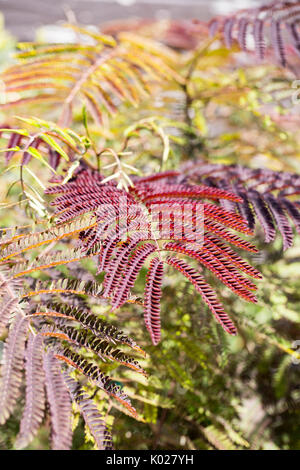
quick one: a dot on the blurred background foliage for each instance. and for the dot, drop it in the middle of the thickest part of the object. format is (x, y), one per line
(205, 390)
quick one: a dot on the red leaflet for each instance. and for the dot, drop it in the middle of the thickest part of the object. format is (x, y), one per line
(206, 292)
(233, 239)
(148, 192)
(158, 176)
(207, 258)
(115, 268)
(134, 266)
(152, 299)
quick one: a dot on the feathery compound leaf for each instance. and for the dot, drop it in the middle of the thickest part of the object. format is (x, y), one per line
(258, 35)
(264, 194)
(65, 286)
(217, 266)
(12, 366)
(148, 192)
(243, 24)
(265, 24)
(117, 266)
(60, 404)
(263, 214)
(35, 393)
(135, 264)
(97, 74)
(9, 297)
(125, 228)
(237, 260)
(206, 292)
(295, 38)
(292, 210)
(152, 299)
(90, 413)
(92, 342)
(35, 240)
(89, 320)
(50, 261)
(227, 30)
(94, 374)
(7, 308)
(281, 220)
(277, 40)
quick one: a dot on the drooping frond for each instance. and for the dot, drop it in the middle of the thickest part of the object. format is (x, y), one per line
(60, 403)
(35, 393)
(93, 373)
(206, 292)
(12, 367)
(272, 27)
(50, 325)
(152, 299)
(149, 192)
(266, 195)
(7, 306)
(90, 414)
(9, 297)
(135, 264)
(126, 228)
(231, 255)
(98, 337)
(97, 71)
(217, 265)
